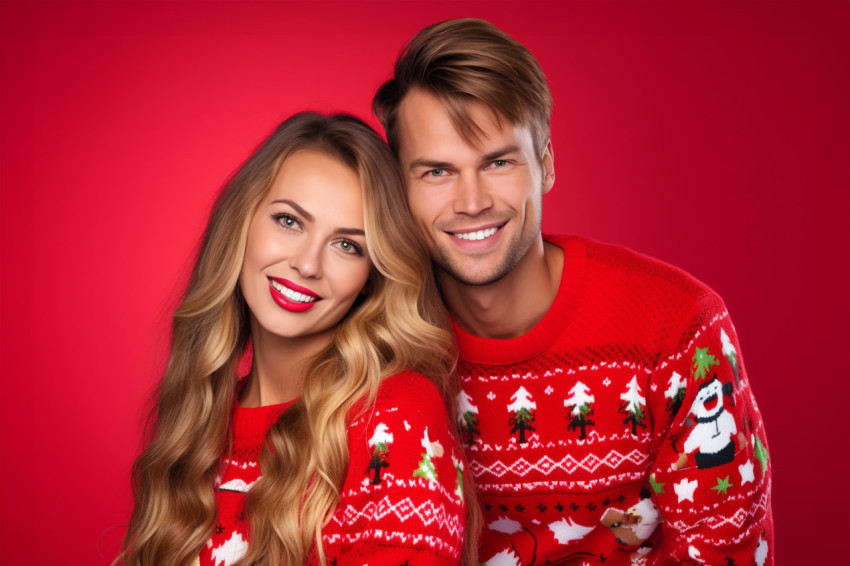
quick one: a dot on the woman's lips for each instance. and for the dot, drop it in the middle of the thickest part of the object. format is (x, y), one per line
(290, 296)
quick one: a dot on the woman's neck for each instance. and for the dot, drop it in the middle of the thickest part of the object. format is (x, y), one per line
(279, 367)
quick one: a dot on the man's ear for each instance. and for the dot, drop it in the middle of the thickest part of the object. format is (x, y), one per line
(548, 161)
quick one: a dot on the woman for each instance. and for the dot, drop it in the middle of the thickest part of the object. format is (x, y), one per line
(334, 449)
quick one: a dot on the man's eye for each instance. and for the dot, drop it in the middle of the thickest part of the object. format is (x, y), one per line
(500, 163)
(437, 173)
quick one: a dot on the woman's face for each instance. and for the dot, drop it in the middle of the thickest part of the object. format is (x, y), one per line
(306, 259)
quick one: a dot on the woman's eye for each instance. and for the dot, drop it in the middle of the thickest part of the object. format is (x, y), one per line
(287, 220)
(350, 247)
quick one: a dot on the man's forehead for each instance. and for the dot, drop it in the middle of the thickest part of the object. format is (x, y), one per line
(425, 124)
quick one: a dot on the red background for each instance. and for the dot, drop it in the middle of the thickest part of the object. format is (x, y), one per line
(715, 136)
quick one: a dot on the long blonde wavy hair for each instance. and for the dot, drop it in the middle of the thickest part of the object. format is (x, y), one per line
(400, 324)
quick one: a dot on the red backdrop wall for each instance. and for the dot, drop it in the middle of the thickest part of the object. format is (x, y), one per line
(715, 136)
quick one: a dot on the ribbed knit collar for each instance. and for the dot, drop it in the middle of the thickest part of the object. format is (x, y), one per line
(255, 422)
(495, 351)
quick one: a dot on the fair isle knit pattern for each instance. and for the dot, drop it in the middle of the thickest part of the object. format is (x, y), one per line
(621, 429)
(401, 502)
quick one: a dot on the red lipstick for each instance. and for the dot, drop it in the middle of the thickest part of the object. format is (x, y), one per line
(287, 303)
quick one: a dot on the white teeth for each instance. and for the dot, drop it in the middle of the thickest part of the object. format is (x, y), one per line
(293, 296)
(475, 236)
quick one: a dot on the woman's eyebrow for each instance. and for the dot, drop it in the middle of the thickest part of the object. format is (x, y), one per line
(300, 210)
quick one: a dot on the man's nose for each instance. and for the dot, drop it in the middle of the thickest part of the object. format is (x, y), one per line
(471, 195)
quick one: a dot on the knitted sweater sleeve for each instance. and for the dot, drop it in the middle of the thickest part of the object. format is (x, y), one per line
(402, 501)
(711, 476)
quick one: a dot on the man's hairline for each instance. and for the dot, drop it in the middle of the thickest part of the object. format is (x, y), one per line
(498, 118)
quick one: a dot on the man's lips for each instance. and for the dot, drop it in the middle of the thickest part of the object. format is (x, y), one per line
(476, 234)
(290, 296)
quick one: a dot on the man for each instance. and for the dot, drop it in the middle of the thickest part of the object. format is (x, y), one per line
(606, 411)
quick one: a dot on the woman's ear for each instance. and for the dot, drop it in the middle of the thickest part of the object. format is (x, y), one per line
(368, 287)
(364, 293)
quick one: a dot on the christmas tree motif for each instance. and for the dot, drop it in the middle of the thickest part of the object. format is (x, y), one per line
(380, 442)
(633, 405)
(467, 417)
(426, 467)
(675, 393)
(459, 469)
(731, 354)
(760, 452)
(579, 403)
(656, 486)
(522, 413)
(702, 362)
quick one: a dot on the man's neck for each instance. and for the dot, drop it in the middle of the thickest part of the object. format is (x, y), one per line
(513, 305)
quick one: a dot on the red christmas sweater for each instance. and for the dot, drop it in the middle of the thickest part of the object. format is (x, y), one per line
(622, 428)
(401, 500)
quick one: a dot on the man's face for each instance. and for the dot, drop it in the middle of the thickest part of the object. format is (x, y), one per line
(479, 207)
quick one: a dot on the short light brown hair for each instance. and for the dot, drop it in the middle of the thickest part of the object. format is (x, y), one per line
(467, 61)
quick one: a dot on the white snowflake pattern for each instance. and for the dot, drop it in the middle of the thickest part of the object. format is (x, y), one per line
(230, 551)
(746, 471)
(491, 396)
(549, 389)
(685, 490)
(606, 382)
(505, 525)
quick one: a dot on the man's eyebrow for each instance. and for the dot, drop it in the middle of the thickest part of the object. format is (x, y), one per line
(490, 156)
(417, 163)
(300, 210)
(501, 152)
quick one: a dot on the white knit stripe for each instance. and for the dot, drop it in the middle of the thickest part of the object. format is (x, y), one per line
(537, 487)
(426, 513)
(533, 443)
(414, 540)
(568, 464)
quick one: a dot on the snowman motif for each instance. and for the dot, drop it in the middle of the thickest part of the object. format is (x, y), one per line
(710, 440)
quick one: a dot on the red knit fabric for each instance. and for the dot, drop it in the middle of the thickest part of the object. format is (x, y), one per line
(401, 501)
(575, 430)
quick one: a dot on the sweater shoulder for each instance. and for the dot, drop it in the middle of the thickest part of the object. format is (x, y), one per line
(407, 388)
(621, 264)
(633, 299)
(404, 398)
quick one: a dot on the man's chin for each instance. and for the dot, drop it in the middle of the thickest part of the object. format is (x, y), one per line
(472, 276)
